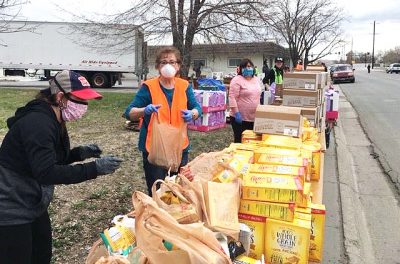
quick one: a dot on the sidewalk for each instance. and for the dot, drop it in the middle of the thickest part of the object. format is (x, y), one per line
(369, 203)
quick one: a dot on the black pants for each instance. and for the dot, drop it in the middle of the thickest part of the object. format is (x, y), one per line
(153, 172)
(27, 243)
(239, 128)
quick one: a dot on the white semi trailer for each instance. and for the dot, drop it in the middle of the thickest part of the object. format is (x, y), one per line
(100, 53)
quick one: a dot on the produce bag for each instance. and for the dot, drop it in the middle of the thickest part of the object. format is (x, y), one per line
(166, 144)
(172, 198)
(191, 243)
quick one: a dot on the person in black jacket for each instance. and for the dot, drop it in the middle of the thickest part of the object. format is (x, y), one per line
(35, 155)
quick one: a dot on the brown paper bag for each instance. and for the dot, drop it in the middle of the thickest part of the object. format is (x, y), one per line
(166, 144)
(222, 203)
(195, 243)
(184, 212)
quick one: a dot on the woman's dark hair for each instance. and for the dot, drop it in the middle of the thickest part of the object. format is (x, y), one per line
(243, 64)
(46, 95)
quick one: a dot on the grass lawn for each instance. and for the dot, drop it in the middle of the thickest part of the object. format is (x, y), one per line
(80, 212)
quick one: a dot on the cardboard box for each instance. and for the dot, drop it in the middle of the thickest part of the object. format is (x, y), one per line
(287, 242)
(302, 80)
(275, 188)
(278, 120)
(279, 90)
(317, 232)
(279, 211)
(300, 98)
(311, 114)
(257, 227)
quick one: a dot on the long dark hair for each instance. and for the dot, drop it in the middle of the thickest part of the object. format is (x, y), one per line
(46, 95)
(243, 64)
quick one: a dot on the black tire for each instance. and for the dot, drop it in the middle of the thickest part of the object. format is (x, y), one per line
(353, 81)
(100, 80)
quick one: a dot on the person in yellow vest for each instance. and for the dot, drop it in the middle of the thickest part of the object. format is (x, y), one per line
(275, 74)
(173, 100)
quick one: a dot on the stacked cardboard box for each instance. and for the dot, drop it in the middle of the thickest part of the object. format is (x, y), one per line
(307, 91)
(277, 199)
(213, 105)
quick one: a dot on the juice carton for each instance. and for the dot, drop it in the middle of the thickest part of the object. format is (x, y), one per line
(279, 211)
(257, 227)
(287, 242)
(317, 232)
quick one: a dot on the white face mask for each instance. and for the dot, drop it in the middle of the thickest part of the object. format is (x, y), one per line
(168, 71)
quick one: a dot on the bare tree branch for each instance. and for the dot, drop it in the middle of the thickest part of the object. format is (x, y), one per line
(189, 21)
(307, 25)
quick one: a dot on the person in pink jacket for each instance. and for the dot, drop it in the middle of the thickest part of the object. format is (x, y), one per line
(244, 96)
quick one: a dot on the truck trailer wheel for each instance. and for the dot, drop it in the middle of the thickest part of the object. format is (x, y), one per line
(100, 80)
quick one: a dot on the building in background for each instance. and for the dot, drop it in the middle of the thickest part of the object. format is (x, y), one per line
(224, 58)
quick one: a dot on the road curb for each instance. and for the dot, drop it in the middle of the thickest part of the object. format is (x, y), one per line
(357, 242)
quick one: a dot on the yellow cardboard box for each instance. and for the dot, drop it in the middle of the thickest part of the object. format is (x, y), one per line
(315, 148)
(278, 169)
(275, 188)
(276, 151)
(242, 259)
(248, 136)
(257, 227)
(279, 211)
(287, 242)
(278, 141)
(317, 232)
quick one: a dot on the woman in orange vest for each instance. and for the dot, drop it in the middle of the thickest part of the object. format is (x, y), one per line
(173, 100)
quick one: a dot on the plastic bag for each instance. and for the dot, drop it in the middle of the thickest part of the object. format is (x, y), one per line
(166, 144)
(191, 243)
(172, 199)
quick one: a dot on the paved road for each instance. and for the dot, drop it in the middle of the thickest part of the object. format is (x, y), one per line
(369, 199)
(376, 98)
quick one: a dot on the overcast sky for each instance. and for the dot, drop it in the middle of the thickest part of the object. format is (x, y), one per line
(359, 28)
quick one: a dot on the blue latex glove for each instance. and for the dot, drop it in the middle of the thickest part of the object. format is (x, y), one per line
(187, 115)
(151, 108)
(238, 118)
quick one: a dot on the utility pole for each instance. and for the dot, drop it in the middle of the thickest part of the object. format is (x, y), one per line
(373, 47)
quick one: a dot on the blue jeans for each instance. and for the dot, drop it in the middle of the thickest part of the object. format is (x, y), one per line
(153, 172)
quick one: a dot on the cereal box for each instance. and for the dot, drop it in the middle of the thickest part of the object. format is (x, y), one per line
(230, 170)
(279, 211)
(287, 242)
(257, 227)
(315, 148)
(275, 151)
(278, 141)
(244, 260)
(248, 136)
(317, 232)
(273, 188)
(277, 169)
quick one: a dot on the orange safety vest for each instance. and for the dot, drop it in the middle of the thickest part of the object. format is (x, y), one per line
(299, 67)
(166, 114)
